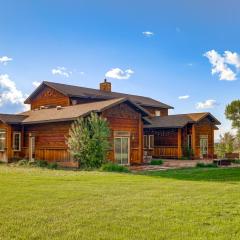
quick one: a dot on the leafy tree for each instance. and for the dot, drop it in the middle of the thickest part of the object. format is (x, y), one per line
(232, 112)
(88, 141)
(225, 145)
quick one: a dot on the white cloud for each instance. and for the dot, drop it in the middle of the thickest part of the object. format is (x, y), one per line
(206, 104)
(118, 73)
(9, 92)
(4, 60)
(183, 97)
(62, 71)
(148, 33)
(36, 84)
(232, 58)
(220, 64)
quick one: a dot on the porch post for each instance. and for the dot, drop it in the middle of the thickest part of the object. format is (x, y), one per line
(194, 140)
(140, 132)
(179, 143)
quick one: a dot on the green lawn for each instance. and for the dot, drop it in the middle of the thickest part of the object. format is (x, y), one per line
(178, 204)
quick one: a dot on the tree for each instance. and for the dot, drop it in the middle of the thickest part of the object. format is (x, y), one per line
(225, 145)
(232, 112)
(88, 141)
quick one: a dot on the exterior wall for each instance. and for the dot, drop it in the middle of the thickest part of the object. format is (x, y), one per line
(166, 140)
(49, 97)
(163, 111)
(205, 127)
(50, 138)
(125, 118)
(165, 143)
(50, 141)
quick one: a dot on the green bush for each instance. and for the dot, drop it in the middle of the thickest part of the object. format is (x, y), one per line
(113, 167)
(206, 165)
(88, 141)
(23, 162)
(41, 163)
(52, 165)
(156, 162)
(237, 161)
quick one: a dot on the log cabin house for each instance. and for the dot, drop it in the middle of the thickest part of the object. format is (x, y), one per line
(140, 126)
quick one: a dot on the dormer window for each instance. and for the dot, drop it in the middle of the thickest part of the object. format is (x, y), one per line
(157, 113)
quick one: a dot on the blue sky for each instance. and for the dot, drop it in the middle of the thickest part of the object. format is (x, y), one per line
(161, 49)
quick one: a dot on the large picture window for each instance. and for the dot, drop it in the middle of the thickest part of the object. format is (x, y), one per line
(17, 141)
(149, 141)
(2, 140)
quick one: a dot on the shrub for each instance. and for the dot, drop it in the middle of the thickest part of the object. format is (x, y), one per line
(88, 141)
(23, 162)
(52, 165)
(113, 167)
(41, 163)
(156, 162)
(206, 165)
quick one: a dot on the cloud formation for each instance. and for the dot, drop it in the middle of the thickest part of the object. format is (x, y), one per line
(36, 84)
(221, 64)
(9, 92)
(62, 71)
(183, 97)
(148, 33)
(118, 73)
(4, 60)
(206, 104)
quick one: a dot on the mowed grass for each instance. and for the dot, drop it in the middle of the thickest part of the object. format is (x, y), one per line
(176, 204)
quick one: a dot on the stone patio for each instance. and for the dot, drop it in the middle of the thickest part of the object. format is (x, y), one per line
(169, 164)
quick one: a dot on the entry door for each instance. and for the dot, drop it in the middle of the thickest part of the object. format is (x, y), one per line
(31, 147)
(203, 146)
(121, 150)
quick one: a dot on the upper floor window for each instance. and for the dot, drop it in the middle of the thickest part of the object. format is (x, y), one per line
(17, 141)
(157, 113)
(149, 141)
(2, 139)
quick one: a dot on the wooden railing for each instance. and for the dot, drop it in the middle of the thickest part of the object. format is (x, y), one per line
(166, 151)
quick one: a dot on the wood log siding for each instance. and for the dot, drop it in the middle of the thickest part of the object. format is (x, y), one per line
(125, 118)
(152, 110)
(49, 97)
(166, 140)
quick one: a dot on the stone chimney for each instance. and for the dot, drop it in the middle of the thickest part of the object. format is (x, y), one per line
(106, 86)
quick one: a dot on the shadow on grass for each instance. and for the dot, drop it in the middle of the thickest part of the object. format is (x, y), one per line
(198, 174)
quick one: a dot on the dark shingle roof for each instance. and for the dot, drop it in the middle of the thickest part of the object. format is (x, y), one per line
(12, 118)
(76, 91)
(180, 120)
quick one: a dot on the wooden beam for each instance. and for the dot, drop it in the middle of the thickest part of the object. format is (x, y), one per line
(194, 140)
(140, 136)
(179, 143)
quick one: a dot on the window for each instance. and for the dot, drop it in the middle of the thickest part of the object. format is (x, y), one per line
(17, 141)
(149, 141)
(189, 141)
(157, 113)
(2, 139)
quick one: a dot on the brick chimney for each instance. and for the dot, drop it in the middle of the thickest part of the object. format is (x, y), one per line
(106, 86)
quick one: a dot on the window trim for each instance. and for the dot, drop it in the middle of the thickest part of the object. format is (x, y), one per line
(147, 144)
(20, 139)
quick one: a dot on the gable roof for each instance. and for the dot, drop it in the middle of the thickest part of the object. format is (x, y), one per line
(70, 113)
(179, 120)
(12, 118)
(83, 92)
